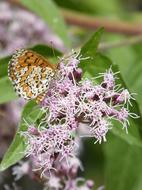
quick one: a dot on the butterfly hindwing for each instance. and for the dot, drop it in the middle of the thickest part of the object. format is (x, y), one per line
(30, 73)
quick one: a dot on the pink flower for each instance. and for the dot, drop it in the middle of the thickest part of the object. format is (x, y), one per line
(71, 101)
(49, 144)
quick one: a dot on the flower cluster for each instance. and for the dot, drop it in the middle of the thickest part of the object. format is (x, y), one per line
(19, 28)
(72, 101)
(63, 178)
(47, 145)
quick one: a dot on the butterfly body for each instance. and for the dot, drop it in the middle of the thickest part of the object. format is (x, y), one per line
(30, 74)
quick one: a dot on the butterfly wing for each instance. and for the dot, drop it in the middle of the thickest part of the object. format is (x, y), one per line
(30, 73)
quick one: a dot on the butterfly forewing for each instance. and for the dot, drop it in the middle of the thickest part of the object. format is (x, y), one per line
(30, 74)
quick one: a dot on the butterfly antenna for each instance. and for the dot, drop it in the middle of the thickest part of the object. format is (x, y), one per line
(52, 47)
(53, 50)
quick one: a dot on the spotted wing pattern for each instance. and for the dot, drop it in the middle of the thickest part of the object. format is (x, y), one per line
(30, 74)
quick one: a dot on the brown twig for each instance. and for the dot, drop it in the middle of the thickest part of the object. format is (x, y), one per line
(93, 22)
(90, 22)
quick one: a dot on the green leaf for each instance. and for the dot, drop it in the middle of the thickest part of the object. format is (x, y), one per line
(90, 47)
(50, 13)
(7, 92)
(127, 153)
(4, 66)
(93, 62)
(123, 165)
(31, 113)
(45, 50)
(93, 7)
(132, 137)
(97, 64)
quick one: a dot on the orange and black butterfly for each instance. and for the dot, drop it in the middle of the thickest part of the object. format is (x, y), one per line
(30, 74)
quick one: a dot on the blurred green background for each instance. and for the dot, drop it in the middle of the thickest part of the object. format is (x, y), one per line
(115, 164)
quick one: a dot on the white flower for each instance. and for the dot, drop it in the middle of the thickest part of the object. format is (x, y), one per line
(53, 183)
(20, 170)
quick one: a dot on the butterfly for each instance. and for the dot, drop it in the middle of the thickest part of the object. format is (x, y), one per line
(30, 74)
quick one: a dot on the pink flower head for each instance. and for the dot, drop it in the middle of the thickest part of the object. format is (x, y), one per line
(72, 101)
(49, 143)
